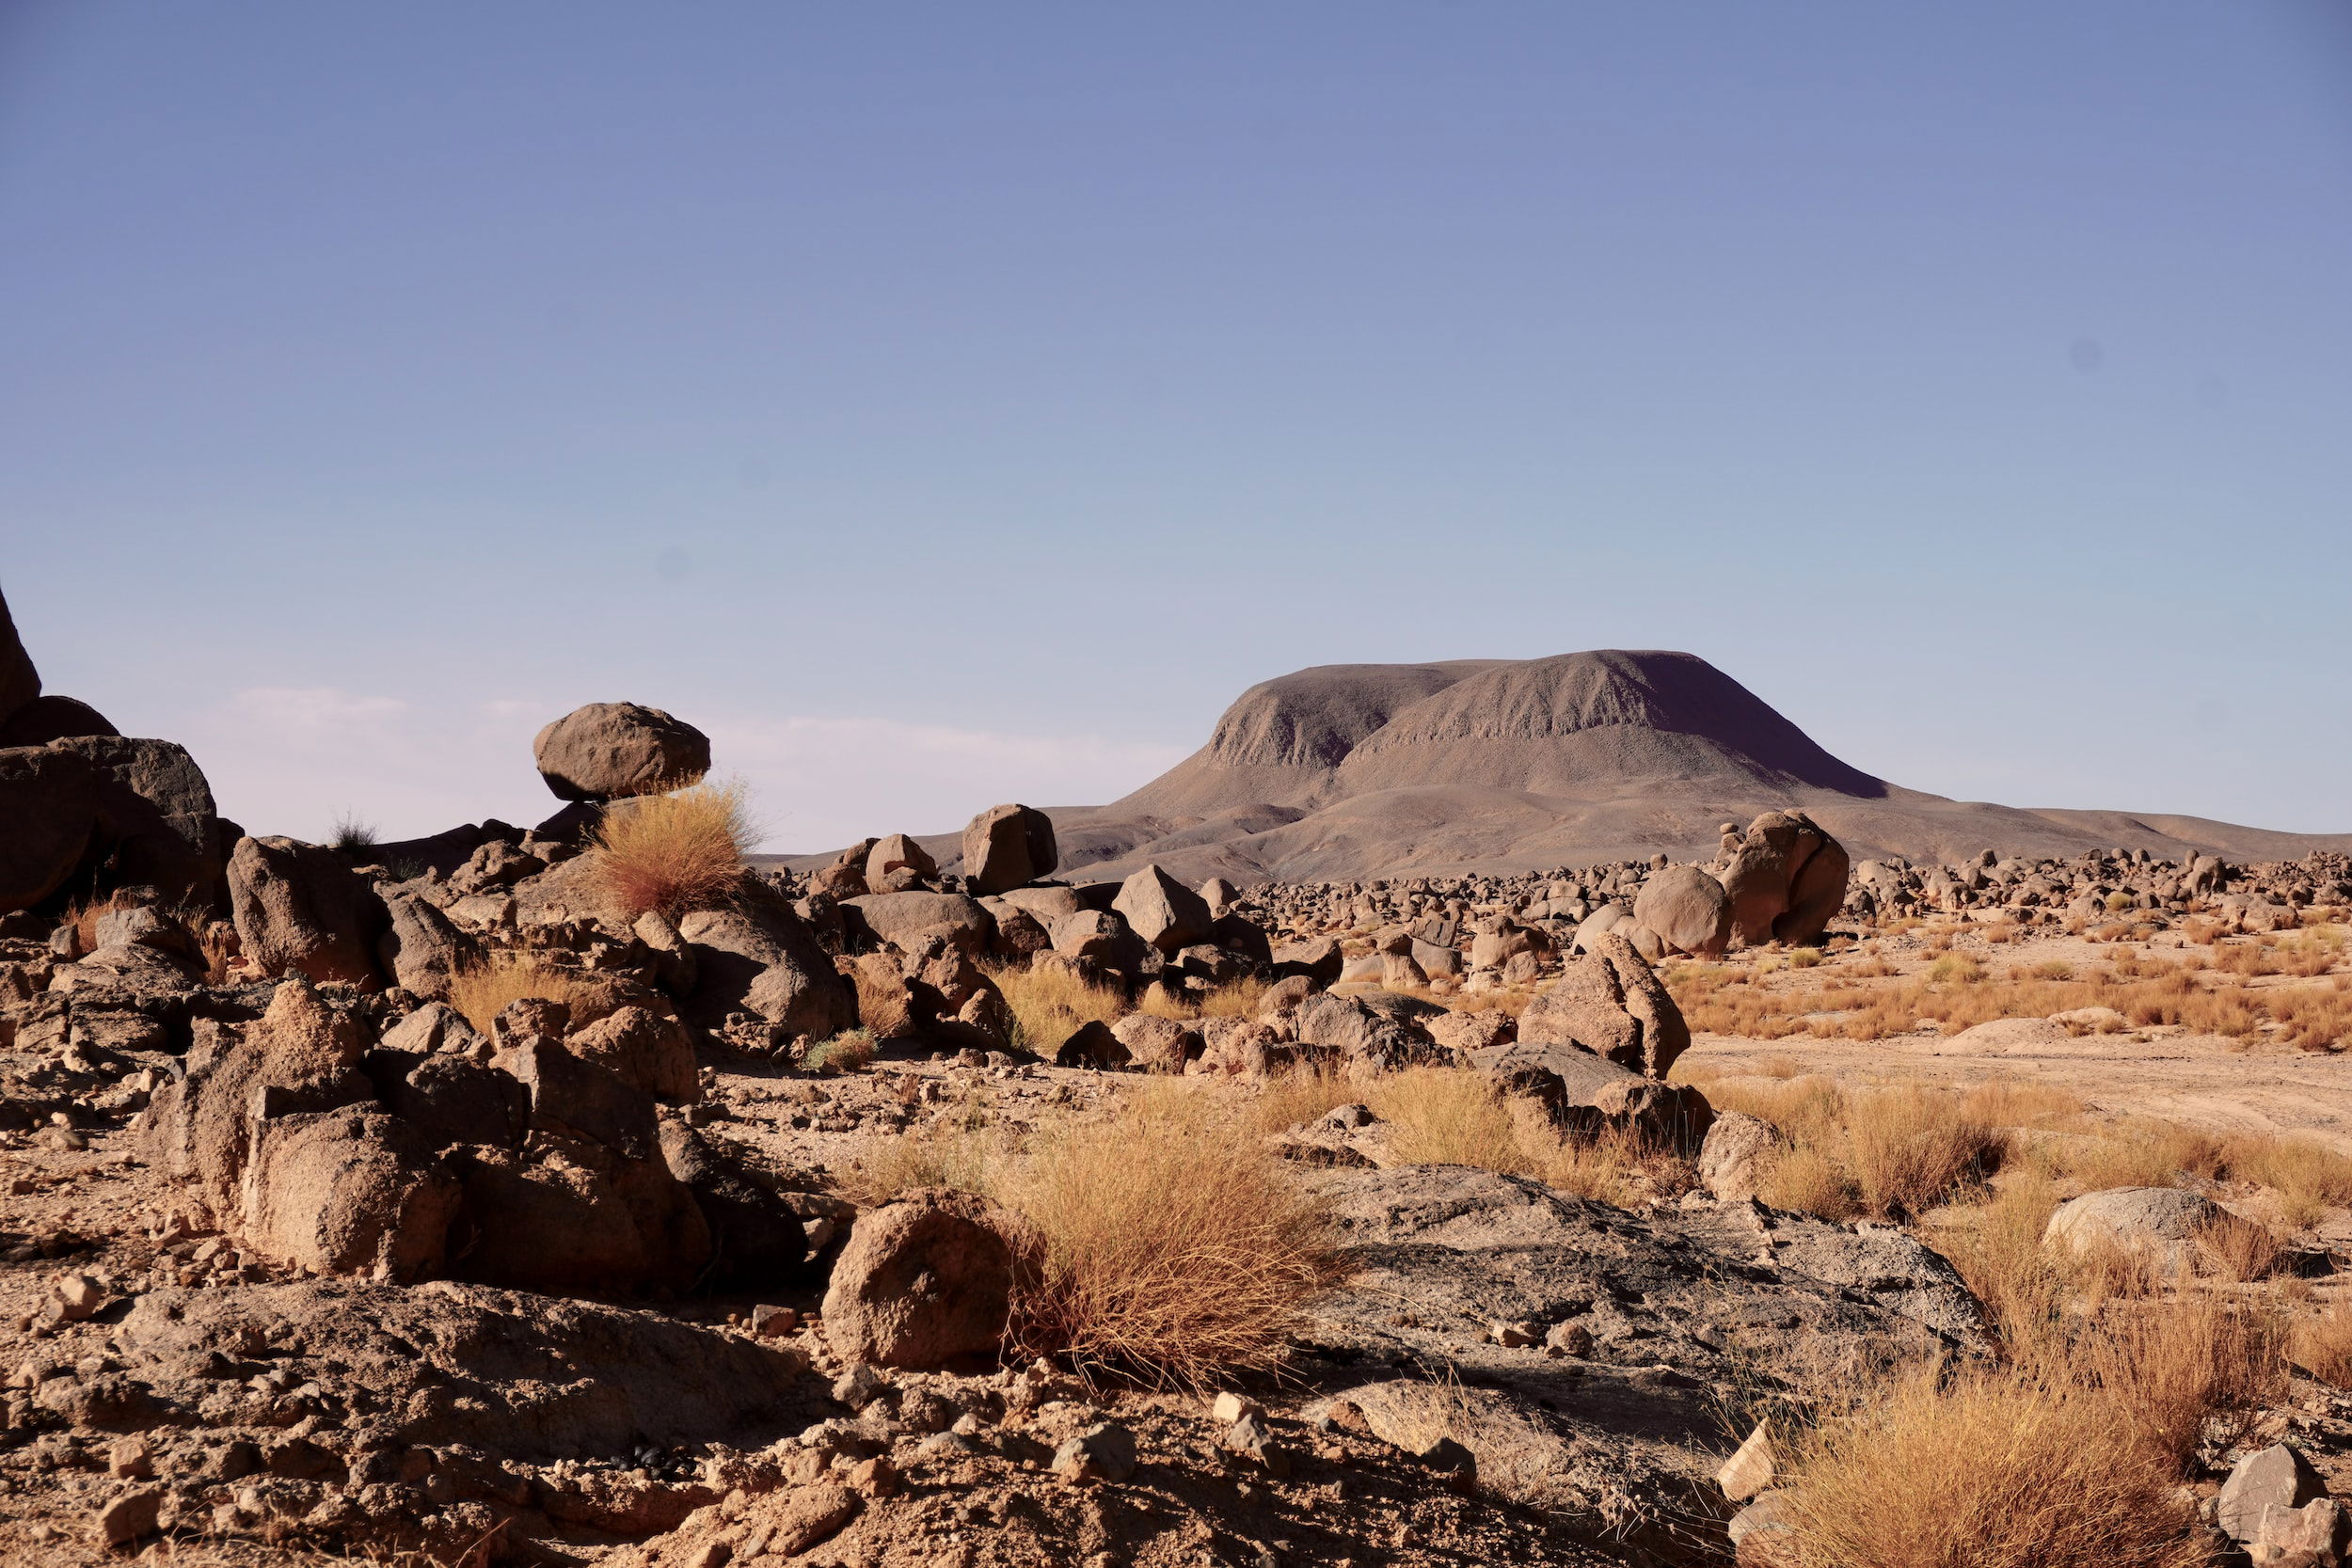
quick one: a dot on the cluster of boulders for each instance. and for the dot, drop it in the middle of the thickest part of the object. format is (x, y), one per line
(1780, 881)
(2107, 886)
(553, 1154)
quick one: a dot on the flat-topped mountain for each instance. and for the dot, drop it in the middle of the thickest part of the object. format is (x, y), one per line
(1362, 771)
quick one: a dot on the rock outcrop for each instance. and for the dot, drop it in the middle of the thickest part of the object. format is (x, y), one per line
(1785, 880)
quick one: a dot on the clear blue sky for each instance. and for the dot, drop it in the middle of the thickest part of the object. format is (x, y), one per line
(949, 403)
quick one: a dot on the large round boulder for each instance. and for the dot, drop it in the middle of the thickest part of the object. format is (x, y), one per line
(1785, 880)
(2160, 1225)
(1687, 908)
(609, 749)
(157, 826)
(922, 1282)
(48, 810)
(1008, 845)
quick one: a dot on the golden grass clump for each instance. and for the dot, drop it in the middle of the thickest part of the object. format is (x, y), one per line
(2320, 1344)
(2308, 1177)
(1049, 1005)
(1910, 1148)
(1163, 1240)
(482, 994)
(670, 853)
(1987, 1470)
(2068, 1455)
(1236, 999)
(1447, 1116)
(1879, 1152)
(1806, 1180)
(2237, 1249)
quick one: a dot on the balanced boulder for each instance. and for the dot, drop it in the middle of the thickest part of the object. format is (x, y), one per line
(609, 749)
(1008, 845)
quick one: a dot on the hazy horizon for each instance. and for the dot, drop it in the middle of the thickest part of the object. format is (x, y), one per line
(943, 407)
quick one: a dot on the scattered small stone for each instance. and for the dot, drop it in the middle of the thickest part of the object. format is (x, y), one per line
(131, 1516)
(1105, 1452)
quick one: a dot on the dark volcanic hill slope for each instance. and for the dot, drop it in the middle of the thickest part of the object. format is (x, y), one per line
(1349, 771)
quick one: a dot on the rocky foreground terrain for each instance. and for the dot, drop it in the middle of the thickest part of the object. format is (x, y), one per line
(579, 1194)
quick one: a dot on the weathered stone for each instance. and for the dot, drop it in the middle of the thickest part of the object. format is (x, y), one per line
(2277, 1477)
(1689, 910)
(1008, 845)
(1161, 1044)
(1737, 1155)
(47, 719)
(1104, 1452)
(922, 1282)
(300, 909)
(610, 749)
(757, 955)
(156, 823)
(2157, 1225)
(420, 949)
(49, 802)
(756, 1238)
(1786, 882)
(896, 853)
(1608, 1001)
(1162, 911)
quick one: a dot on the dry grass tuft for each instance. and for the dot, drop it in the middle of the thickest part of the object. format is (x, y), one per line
(1879, 1152)
(937, 1154)
(2308, 1177)
(670, 853)
(1166, 1242)
(851, 1051)
(1988, 1470)
(481, 994)
(2069, 1456)
(1238, 999)
(1049, 1005)
(2237, 1249)
(2322, 1345)
(1447, 1116)
(1806, 1180)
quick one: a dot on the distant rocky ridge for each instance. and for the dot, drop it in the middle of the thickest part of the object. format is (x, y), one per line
(1348, 771)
